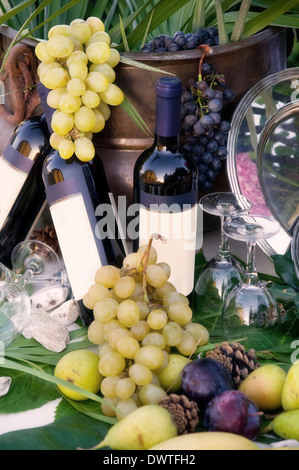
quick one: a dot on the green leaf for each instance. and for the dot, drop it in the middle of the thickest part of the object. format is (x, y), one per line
(135, 116)
(223, 38)
(69, 432)
(27, 392)
(199, 15)
(265, 18)
(241, 20)
(123, 35)
(284, 267)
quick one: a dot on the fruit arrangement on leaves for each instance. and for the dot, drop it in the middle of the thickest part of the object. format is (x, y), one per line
(77, 66)
(144, 331)
(181, 41)
(204, 131)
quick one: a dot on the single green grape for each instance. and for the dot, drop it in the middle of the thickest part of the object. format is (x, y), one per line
(100, 121)
(76, 86)
(105, 69)
(98, 52)
(69, 103)
(62, 123)
(97, 82)
(85, 119)
(128, 313)
(60, 46)
(107, 275)
(99, 36)
(105, 309)
(90, 99)
(113, 95)
(140, 374)
(84, 149)
(111, 364)
(42, 53)
(66, 149)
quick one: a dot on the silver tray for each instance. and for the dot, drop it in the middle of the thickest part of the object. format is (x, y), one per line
(263, 156)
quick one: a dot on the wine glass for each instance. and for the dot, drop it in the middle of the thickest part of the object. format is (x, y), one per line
(250, 303)
(223, 271)
(14, 312)
(36, 263)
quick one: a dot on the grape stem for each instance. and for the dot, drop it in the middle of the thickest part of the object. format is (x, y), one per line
(206, 50)
(144, 262)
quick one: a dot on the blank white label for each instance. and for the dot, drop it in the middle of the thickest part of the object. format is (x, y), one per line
(179, 229)
(11, 183)
(77, 243)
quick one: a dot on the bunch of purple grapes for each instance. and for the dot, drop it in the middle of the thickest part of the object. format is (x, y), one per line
(203, 130)
(182, 41)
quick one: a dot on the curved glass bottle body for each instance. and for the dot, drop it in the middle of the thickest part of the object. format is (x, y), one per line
(22, 193)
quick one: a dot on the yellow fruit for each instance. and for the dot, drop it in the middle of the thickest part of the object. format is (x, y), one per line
(286, 425)
(207, 441)
(140, 430)
(170, 377)
(79, 368)
(264, 386)
(290, 394)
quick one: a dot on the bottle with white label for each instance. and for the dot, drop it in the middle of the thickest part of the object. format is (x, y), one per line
(166, 190)
(75, 192)
(22, 195)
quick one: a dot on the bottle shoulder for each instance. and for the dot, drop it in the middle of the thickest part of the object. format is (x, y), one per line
(31, 138)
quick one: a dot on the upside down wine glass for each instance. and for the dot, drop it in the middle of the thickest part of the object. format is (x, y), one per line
(223, 271)
(34, 266)
(250, 304)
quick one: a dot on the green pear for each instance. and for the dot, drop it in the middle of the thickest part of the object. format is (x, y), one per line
(290, 392)
(286, 425)
(140, 430)
(264, 386)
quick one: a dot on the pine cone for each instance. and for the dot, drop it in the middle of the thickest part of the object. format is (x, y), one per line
(48, 236)
(184, 412)
(238, 362)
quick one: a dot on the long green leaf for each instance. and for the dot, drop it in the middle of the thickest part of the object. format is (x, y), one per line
(266, 17)
(15, 11)
(241, 20)
(199, 15)
(223, 38)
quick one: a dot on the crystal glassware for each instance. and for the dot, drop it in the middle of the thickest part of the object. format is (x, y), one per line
(36, 263)
(14, 312)
(250, 303)
(223, 271)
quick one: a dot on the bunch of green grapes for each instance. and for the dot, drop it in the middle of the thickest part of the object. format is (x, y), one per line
(139, 319)
(77, 65)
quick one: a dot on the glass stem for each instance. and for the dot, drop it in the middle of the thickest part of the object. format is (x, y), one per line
(251, 272)
(224, 246)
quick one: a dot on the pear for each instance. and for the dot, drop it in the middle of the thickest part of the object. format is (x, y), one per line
(264, 386)
(210, 440)
(286, 425)
(170, 377)
(290, 391)
(140, 430)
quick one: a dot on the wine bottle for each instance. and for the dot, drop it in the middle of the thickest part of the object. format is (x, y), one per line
(166, 190)
(79, 198)
(74, 192)
(22, 192)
